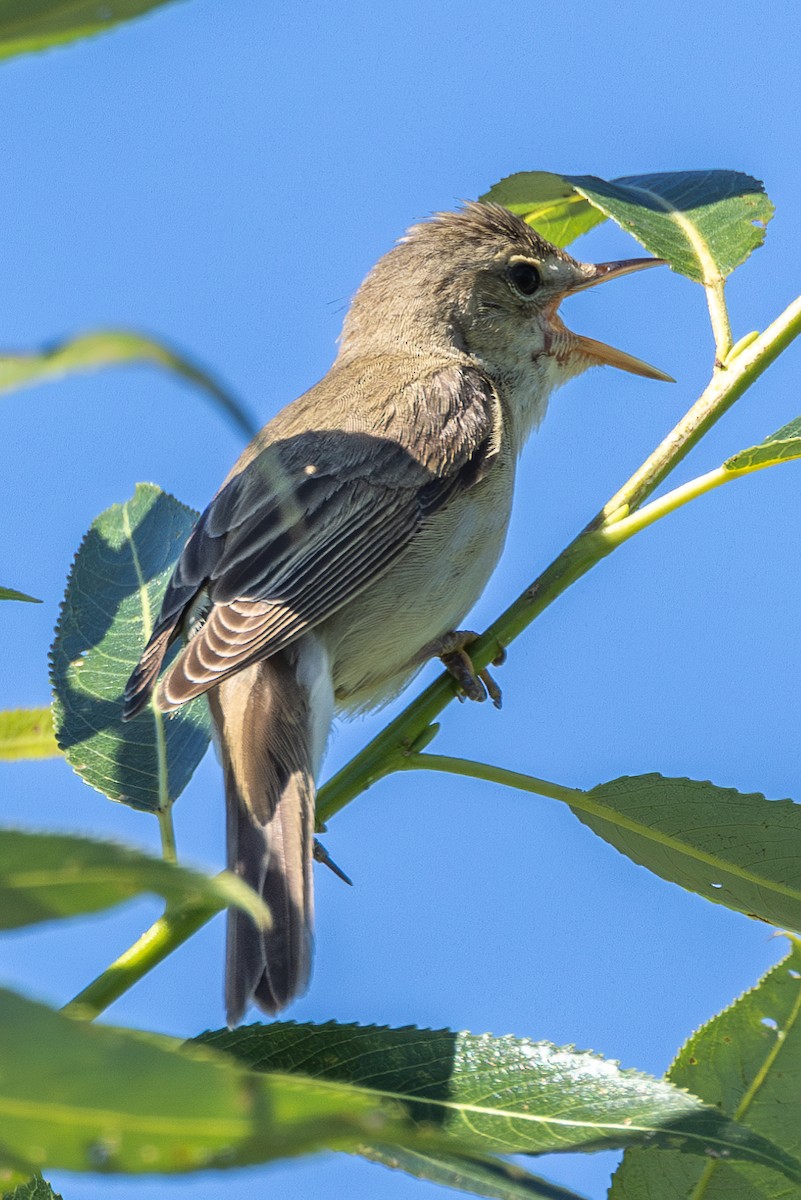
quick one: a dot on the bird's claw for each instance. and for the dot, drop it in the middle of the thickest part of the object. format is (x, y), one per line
(473, 684)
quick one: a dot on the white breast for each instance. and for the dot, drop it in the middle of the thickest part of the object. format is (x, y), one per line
(383, 636)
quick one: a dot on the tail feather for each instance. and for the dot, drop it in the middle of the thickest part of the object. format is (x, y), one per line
(264, 725)
(288, 949)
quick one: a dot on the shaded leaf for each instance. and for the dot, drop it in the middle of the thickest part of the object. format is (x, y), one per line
(481, 1095)
(110, 348)
(480, 1177)
(705, 223)
(782, 445)
(63, 1104)
(747, 1062)
(113, 596)
(27, 733)
(547, 202)
(46, 876)
(11, 594)
(739, 850)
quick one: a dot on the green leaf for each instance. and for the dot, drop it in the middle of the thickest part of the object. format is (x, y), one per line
(81, 1097)
(480, 1177)
(481, 1095)
(735, 849)
(27, 25)
(549, 203)
(11, 594)
(704, 223)
(47, 876)
(27, 733)
(33, 1189)
(781, 446)
(747, 1062)
(116, 347)
(113, 596)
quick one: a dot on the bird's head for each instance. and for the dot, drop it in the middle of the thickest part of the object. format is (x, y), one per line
(483, 283)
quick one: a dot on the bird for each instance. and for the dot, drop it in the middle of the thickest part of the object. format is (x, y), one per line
(353, 536)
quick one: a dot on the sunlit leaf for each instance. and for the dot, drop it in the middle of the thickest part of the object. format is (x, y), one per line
(549, 203)
(736, 849)
(81, 1097)
(704, 223)
(113, 597)
(111, 348)
(27, 733)
(483, 1095)
(747, 1062)
(47, 876)
(781, 446)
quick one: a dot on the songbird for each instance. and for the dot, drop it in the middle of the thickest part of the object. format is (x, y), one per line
(354, 534)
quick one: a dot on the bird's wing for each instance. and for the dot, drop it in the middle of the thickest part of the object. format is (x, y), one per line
(312, 520)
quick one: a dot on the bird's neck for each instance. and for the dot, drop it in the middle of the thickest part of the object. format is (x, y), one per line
(525, 388)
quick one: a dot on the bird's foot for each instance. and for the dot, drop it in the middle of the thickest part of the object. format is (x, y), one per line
(475, 685)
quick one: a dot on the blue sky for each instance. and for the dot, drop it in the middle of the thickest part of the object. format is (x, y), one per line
(223, 175)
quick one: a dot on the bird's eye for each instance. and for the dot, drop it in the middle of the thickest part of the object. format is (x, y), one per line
(524, 278)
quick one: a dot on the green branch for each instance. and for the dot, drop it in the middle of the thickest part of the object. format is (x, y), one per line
(727, 385)
(617, 532)
(169, 932)
(492, 774)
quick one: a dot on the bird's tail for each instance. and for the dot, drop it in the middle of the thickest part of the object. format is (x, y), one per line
(265, 733)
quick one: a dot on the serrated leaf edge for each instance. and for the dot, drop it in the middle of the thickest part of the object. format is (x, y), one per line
(55, 705)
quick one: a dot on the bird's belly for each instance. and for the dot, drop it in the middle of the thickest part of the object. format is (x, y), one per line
(382, 637)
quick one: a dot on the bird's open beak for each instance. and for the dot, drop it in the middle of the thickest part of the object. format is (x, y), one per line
(599, 352)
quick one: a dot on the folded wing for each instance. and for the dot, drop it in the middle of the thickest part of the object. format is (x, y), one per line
(310, 521)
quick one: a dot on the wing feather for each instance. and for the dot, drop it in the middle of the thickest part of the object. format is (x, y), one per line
(307, 521)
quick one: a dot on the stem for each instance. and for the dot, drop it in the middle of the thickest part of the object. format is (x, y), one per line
(620, 531)
(167, 830)
(173, 928)
(719, 316)
(727, 385)
(492, 774)
(385, 753)
(591, 806)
